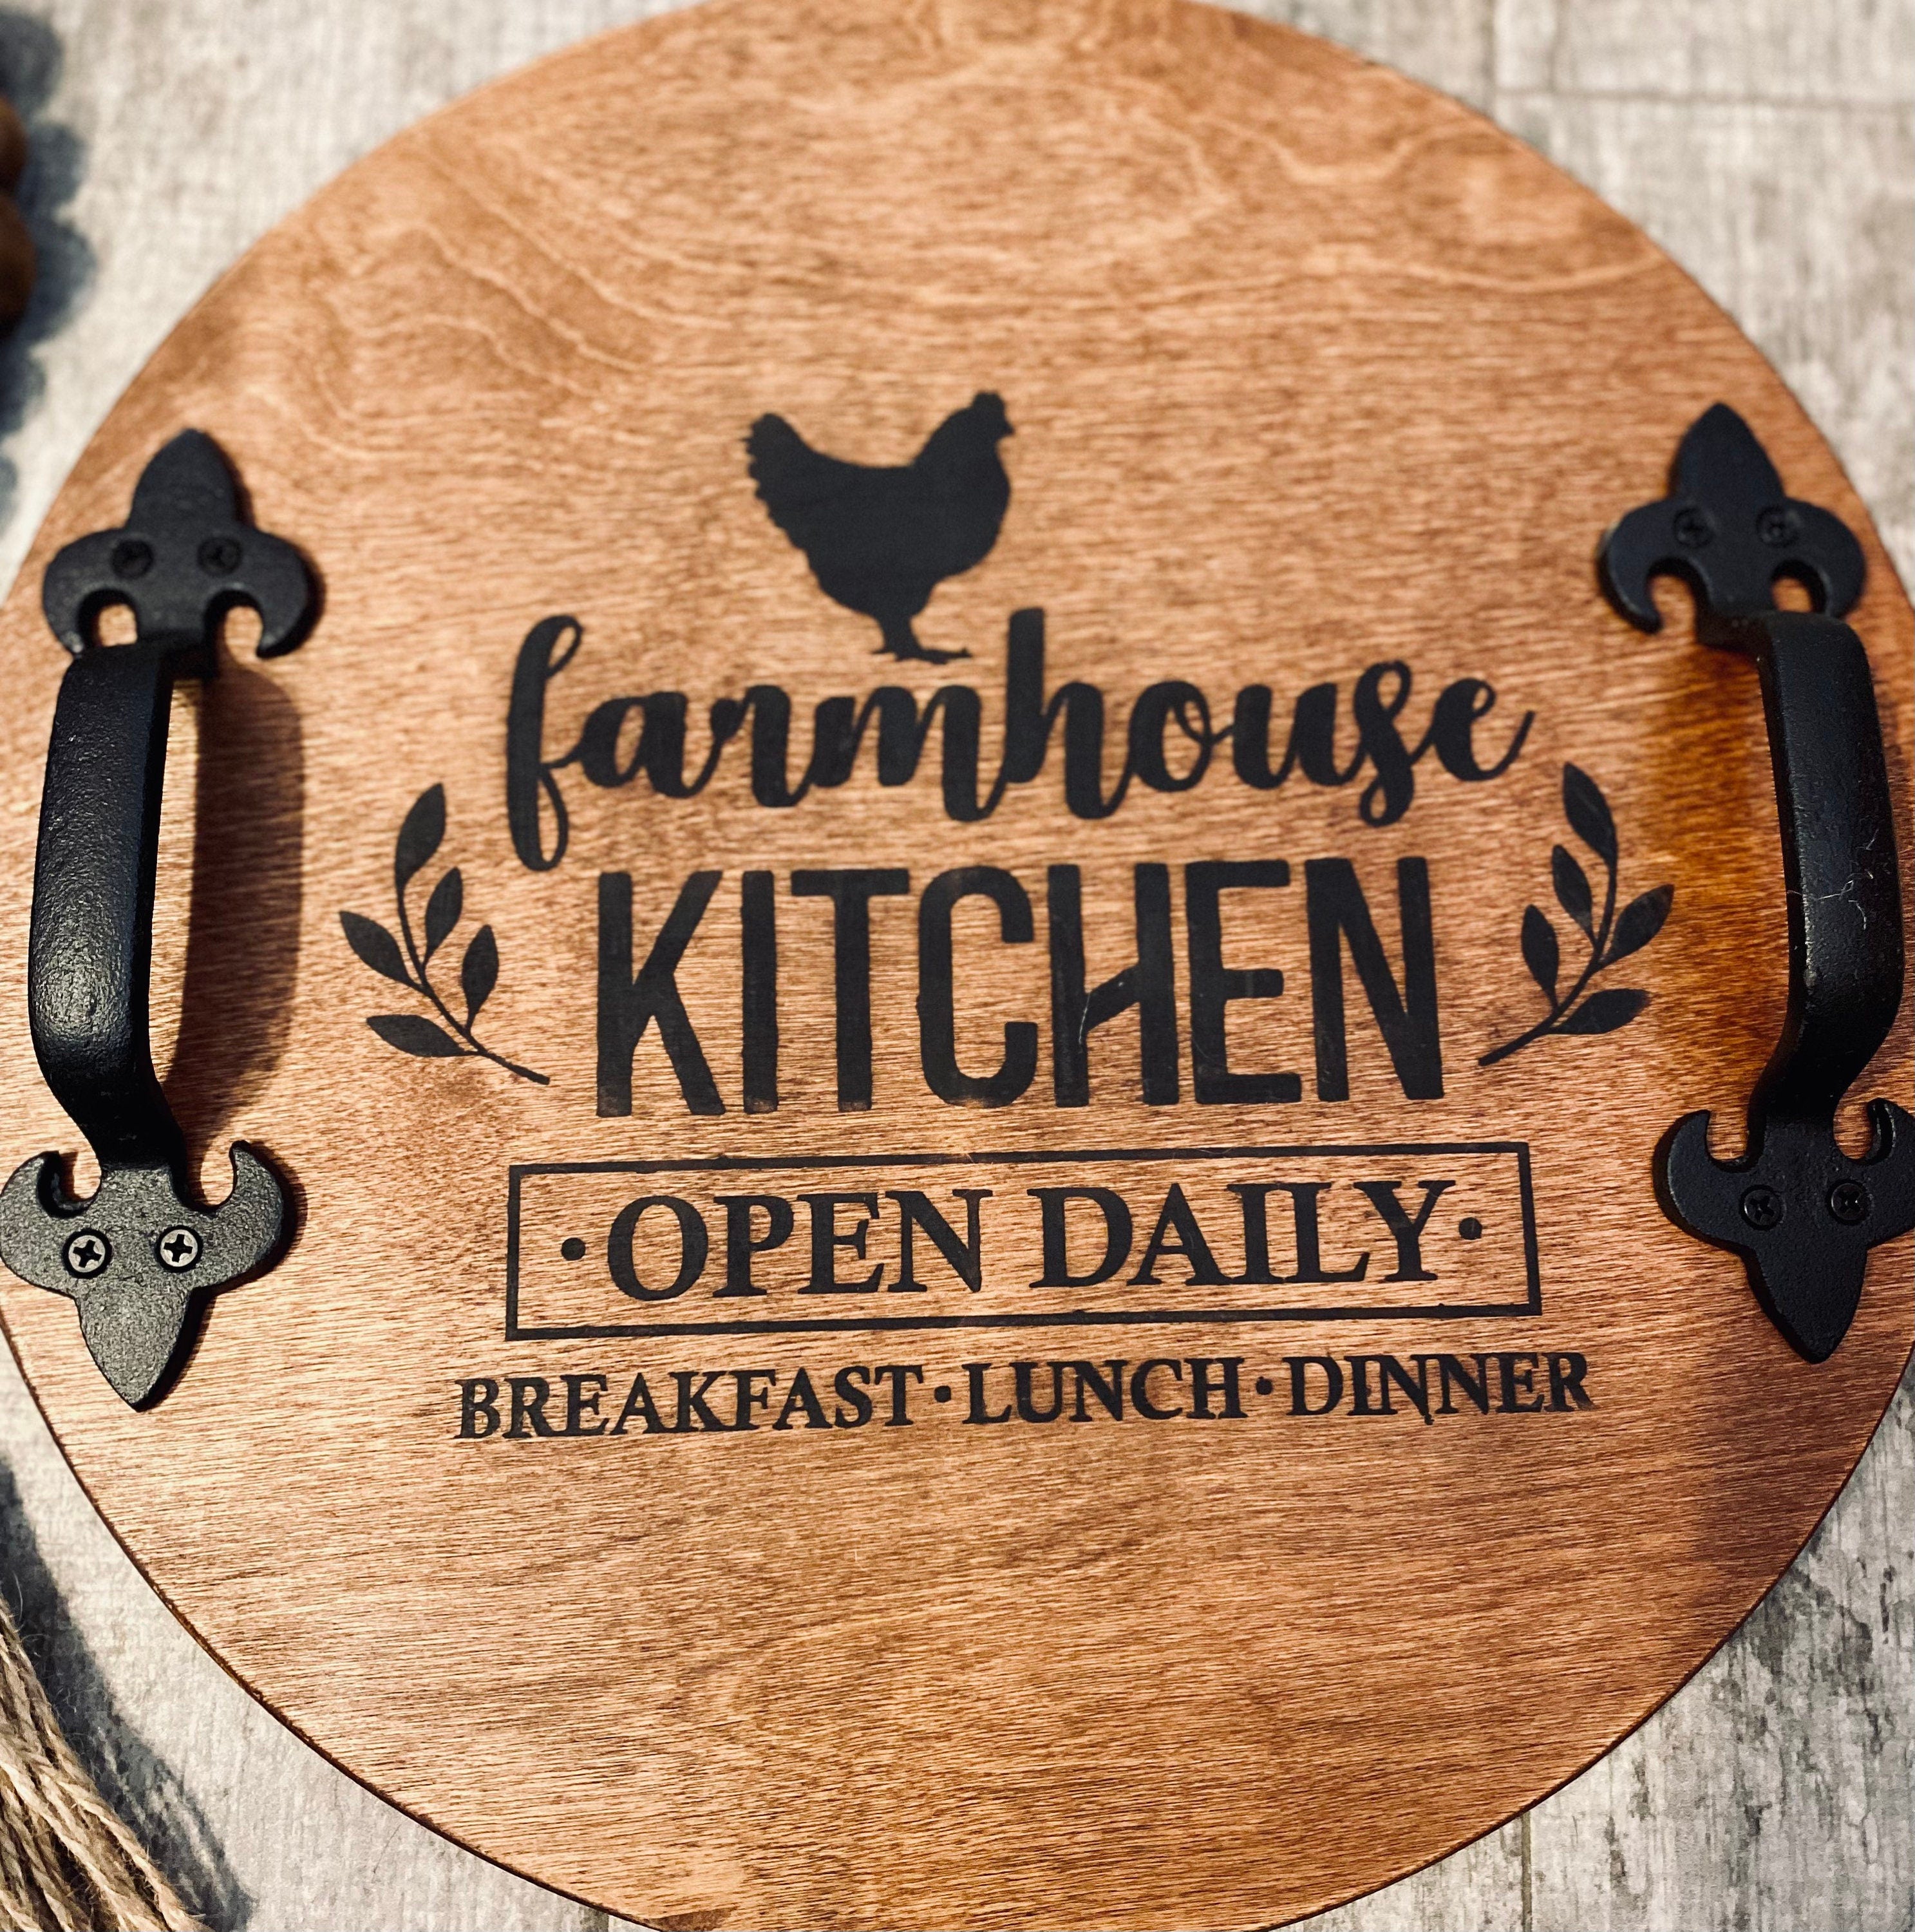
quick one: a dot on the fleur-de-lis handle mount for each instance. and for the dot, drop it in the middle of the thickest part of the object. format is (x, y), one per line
(1801, 1213)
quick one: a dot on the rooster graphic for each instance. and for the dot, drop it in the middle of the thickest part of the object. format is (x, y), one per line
(881, 541)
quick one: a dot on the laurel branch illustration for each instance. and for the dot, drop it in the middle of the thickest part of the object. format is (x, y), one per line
(407, 963)
(1610, 938)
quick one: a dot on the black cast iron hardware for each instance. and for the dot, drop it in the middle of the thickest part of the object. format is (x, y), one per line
(1801, 1214)
(138, 1255)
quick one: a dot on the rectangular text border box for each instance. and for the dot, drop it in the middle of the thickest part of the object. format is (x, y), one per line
(1084, 1318)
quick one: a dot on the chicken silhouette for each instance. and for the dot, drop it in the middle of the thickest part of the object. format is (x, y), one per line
(881, 541)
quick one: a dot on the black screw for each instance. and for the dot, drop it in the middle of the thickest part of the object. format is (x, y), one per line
(219, 556)
(1762, 1208)
(133, 556)
(1693, 528)
(1848, 1202)
(178, 1249)
(87, 1254)
(1469, 1228)
(572, 1248)
(1778, 526)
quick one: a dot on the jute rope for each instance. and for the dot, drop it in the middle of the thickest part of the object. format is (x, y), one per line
(67, 1864)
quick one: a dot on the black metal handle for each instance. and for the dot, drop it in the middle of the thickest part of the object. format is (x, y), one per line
(138, 1255)
(1801, 1213)
(91, 944)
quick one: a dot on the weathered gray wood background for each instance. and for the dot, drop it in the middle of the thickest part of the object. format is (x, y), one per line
(1770, 144)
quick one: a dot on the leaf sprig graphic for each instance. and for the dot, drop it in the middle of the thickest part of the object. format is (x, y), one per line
(403, 961)
(1610, 938)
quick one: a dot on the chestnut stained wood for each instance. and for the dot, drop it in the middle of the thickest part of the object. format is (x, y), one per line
(1310, 370)
(16, 254)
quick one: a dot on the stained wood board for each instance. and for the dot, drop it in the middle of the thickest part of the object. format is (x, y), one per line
(1093, 554)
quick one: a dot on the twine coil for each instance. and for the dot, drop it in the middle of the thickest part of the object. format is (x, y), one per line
(68, 1862)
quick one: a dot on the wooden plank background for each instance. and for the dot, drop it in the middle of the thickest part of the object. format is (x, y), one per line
(1770, 145)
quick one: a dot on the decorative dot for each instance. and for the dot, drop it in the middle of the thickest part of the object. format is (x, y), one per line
(942, 1392)
(572, 1248)
(1469, 1228)
(1264, 1385)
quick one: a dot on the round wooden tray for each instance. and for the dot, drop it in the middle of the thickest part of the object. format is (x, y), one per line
(801, 1411)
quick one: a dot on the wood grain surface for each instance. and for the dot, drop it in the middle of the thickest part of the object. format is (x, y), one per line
(905, 430)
